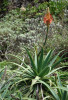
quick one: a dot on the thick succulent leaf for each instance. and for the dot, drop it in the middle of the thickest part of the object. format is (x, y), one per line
(40, 61)
(29, 73)
(62, 88)
(1, 97)
(60, 84)
(7, 63)
(32, 62)
(27, 70)
(15, 56)
(55, 64)
(1, 72)
(47, 97)
(44, 72)
(64, 95)
(46, 59)
(26, 98)
(66, 58)
(59, 81)
(60, 93)
(5, 91)
(3, 63)
(36, 58)
(67, 96)
(55, 70)
(51, 56)
(54, 59)
(51, 90)
(64, 54)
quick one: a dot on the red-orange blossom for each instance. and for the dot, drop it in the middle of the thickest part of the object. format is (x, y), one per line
(48, 18)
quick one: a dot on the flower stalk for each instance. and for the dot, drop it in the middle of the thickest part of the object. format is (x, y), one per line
(47, 20)
(46, 36)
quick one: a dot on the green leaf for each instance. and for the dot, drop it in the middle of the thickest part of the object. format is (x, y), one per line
(55, 70)
(59, 84)
(25, 98)
(59, 81)
(5, 91)
(51, 90)
(64, 95)
(51, 57)
(64, 54)
(15, 56)
(40, 61)
(35, 80)
(7, 63)
(44, 72)
(46, 59)
(36, 58)
(1, 72)
(3, 63)
(53, 60)
(54, 65)
(32, 63)
(62, 88)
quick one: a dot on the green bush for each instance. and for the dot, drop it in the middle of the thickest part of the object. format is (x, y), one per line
(4, 5)
(57, 7)
(58, 41)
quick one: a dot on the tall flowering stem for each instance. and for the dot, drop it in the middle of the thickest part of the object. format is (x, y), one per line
(47, 20)
(46, 37)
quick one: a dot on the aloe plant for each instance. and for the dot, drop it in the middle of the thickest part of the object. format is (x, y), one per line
(42, 67)
(37, 75)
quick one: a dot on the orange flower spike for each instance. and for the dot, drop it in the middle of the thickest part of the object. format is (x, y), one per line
(48, 18)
